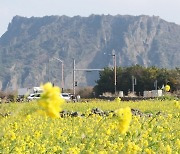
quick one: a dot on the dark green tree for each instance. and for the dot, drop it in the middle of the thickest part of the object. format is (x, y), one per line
(145, 78)
(105, 82)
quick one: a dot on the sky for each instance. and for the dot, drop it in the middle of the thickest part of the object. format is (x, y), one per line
(168, 10)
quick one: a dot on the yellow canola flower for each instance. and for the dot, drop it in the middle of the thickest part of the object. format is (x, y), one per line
(178, 143)
(177, 104)
(124, 117)
(73, 150)
(50, 100)
(117, 99)
(148, 151)
(133, 148)
(168, 149)
(167, 88)
(12, 135)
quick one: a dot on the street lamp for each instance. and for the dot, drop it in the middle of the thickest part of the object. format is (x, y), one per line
(115, 71)
(74, 90)
(62, 72)
(115, 77)
(134, 82)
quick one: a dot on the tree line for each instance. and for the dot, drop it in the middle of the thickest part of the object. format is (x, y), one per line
(144, 78)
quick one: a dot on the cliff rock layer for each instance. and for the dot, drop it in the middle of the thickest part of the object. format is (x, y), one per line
(29, 45)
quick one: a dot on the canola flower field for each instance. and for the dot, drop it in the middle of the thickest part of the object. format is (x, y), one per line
(36, 127)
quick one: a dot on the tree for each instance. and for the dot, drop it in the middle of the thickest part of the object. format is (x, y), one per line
(105, 82)
(145, 79)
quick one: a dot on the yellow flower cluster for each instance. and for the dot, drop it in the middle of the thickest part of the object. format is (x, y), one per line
(177, 105)
(167, 88)
(125, 117)
(27, 132)
(50, 100)
(117, 99)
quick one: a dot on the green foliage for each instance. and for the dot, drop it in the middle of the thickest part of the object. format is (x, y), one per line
(167, 97)
(145, 78)
(105, 83)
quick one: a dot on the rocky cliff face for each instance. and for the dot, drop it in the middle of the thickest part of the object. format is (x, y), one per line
(28, 46)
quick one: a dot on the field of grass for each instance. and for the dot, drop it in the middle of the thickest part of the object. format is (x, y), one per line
(25, 130)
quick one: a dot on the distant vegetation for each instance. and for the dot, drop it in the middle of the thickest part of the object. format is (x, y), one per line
(145, 79)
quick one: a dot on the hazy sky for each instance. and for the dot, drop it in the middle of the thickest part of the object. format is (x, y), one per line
(166, 9)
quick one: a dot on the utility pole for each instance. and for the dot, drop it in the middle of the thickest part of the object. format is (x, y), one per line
(48, 70)
(115, 72)
(62, 72)
(155, 84)
(133, 83)
(74, 90)
(115, 76)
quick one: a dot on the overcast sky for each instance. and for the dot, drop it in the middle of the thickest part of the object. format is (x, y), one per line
(165, 9)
